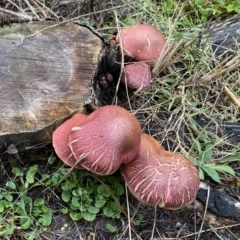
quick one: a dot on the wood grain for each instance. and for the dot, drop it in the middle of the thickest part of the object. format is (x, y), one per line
(45, 76)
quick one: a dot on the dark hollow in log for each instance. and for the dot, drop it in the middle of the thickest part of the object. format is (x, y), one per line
(46, 71)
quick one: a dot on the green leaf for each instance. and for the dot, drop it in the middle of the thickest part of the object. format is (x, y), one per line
(222, 168)
(88, 216)
(36, 212)
(75, 201)
(100, 201)
(111, 228)
(8, 197)
(46, 218)
(66, 196)
(118, 189)
(2, 206)
(93, 210)
(64, 210)
(17, 172)
(88, 190)
(206, 155)
(103, 191)
(31, 173)
(38, 202)
(25, 222)
(51, 159)
(31, 235)
(137, 219)
(68, 184)
(234, 157)
(108, 212)
(211, 173)
(201, 174)
(11, 185)
(77, 192)
(8, 231)
(75, 216)
(114, 206)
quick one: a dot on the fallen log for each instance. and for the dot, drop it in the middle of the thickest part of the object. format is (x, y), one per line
(46, 74)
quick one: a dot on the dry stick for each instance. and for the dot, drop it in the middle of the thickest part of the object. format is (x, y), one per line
(232, 96)
(16, 6)
(128, 213)
(29, 18)
(204, 215)
(224, 67)
(82, 157)
(154, 223)
(31, 8)
(49, 10)
(208, 230)
(40, 8)
(122, 60)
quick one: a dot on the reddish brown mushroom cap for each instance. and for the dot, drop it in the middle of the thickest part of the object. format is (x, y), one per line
(137, 76)
(60, 139)
(160, 178)
(143, 42)
(110, 136)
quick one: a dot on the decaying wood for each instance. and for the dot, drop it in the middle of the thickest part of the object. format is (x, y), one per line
(46, 71)
(226, 36)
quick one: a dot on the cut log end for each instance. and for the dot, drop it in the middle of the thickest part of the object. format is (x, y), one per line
(45, 77)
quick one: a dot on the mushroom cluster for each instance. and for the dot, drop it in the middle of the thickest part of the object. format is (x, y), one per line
(110, 138)
(144, 44)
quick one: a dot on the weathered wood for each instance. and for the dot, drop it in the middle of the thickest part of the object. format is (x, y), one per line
(225, 36)
(45, 76)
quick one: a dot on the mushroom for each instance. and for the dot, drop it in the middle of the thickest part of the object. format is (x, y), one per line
(142, 42)
(110, 136)
(60, 139)
(137, 76)
(105, 80)
(157, 177)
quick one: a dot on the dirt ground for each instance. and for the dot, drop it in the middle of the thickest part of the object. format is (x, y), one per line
(187, 223)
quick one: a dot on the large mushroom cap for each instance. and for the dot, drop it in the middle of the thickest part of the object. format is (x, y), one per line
(110, 136)
(61, 136)
(160, 178)
(143, 42)
(137, 76)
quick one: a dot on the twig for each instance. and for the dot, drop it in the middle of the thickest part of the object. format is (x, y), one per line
(128, 213)
(22, 16)
(154, 223)
(72, 168)
(205, 211)
(232, 96)
(122, 61)
(31, 8)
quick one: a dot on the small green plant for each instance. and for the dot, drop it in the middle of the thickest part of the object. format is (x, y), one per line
(205, 164)
(18, 210)
(88, 195)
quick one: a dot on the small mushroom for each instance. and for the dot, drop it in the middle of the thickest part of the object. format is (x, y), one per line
(60, 139)
(157, 177)
(142, 42)
(137, 76)
(110, 136)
